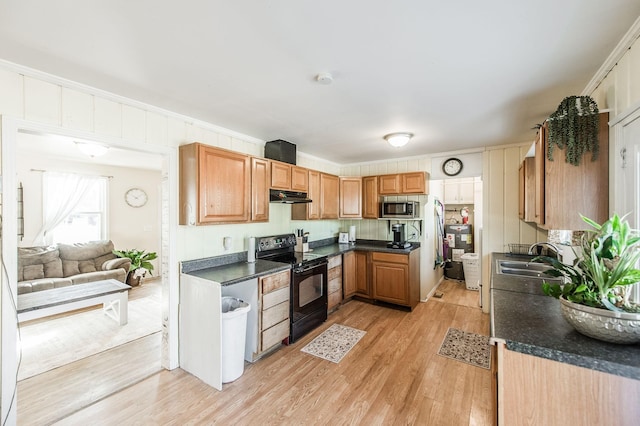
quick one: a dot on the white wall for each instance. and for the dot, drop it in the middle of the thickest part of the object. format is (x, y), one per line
(128, 227)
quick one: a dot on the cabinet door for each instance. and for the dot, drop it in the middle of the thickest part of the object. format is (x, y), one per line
(390, 277)
(260, 177)
(224, 186)
(329, 196)
(349, 273)
(584, 189)
(299, 179)
(521, 191)
(309, 211)
(540, 155)
(466, 191)
(362, 274)
(280, 175)
(413, 183)
(451, 187)
(389, 184)
(370, 206)
(350, 197)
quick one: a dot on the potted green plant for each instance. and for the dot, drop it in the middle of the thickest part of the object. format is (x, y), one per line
(595, 297)
(140, 264)
(574, 126)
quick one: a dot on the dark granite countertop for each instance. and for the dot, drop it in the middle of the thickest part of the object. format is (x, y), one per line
(233, 273)
(233, 268)
(531, 323)
(360, 245)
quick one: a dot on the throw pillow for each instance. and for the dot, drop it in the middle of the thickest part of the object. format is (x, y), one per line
(33, 272)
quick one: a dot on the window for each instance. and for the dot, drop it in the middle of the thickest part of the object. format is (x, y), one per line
(74, 208)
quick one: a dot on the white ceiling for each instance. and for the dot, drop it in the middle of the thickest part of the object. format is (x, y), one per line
(459, 75)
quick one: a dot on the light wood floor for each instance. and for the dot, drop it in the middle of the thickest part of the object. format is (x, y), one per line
(55, 394)
(392, 376)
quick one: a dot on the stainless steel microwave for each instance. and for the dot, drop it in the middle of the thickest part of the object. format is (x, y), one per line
(400, 210)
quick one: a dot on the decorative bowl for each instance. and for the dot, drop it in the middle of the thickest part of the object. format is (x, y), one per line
(602, 324)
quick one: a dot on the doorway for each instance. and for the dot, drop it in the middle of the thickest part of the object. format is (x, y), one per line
(11, 129)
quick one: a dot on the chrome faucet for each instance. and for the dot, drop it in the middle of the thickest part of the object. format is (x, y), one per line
(548, 245)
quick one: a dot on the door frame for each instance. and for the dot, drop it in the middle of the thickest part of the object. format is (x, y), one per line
(9, 129)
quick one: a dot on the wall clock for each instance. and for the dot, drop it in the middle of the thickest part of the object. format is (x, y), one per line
(136, 197)
(452, 166)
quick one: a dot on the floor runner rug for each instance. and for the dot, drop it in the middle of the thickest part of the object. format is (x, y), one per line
(467, 347)
(334, 343)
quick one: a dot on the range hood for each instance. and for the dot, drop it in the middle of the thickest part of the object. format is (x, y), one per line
(288, 197)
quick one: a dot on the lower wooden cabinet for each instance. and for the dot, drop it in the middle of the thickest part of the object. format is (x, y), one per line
(535, 390)
(349, 274)
(334, 282)
(395, 278)
(274, 310)
(363, 288)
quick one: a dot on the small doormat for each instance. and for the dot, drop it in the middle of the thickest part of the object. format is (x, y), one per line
(334, 343)
(467, 347)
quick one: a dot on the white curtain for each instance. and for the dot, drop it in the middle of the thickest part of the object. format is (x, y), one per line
(61, 194)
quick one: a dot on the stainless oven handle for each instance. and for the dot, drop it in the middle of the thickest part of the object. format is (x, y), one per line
(308, 268)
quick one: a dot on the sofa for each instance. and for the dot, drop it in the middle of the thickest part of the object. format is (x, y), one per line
(61, 265)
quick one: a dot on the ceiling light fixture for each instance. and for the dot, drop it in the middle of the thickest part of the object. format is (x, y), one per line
(92, 149)
(398, 139)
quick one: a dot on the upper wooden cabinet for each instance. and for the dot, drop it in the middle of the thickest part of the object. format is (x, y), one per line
(289, 177)
(329, 196)
(403, 183)
(215, 185)
(309, 211)
(350, 197)
(566, 191)
(324, 191)
(260, 176)
(370, 198)
(527, 194)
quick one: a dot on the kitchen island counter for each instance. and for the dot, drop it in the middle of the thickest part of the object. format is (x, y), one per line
(529, 322)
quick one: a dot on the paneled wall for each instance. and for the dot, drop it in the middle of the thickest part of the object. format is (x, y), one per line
(501, 225)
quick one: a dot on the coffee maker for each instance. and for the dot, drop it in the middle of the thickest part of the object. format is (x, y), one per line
(399, 237)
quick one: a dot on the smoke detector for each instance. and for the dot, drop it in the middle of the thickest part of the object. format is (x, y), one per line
(324, 78)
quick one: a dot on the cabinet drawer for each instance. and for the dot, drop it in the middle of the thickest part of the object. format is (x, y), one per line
(335, 261)
(334, 285)
(275, 297)
(275, 281)
(334, 299)
(275, 314)
(274, 335)
(389, 257)
(335, 273)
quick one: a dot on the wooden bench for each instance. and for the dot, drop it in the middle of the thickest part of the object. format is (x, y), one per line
(113, 295)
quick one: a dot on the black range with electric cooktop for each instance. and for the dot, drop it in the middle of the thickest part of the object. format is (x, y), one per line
(308, 289)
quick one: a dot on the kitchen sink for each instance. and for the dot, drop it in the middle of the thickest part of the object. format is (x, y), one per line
(526, 269)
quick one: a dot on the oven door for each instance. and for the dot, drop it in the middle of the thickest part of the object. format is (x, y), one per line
(309, 290)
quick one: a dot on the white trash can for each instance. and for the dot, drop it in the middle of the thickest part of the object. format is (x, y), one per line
(471, 266)
(234, 335)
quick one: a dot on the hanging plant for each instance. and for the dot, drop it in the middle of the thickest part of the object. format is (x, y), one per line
(574, 128)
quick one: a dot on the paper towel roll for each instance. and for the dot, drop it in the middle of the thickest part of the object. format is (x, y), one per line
(251, 252)
(352, 233)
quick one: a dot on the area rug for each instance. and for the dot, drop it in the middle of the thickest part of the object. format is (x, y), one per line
(50, 344)
(334, 343)
(466, 347)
